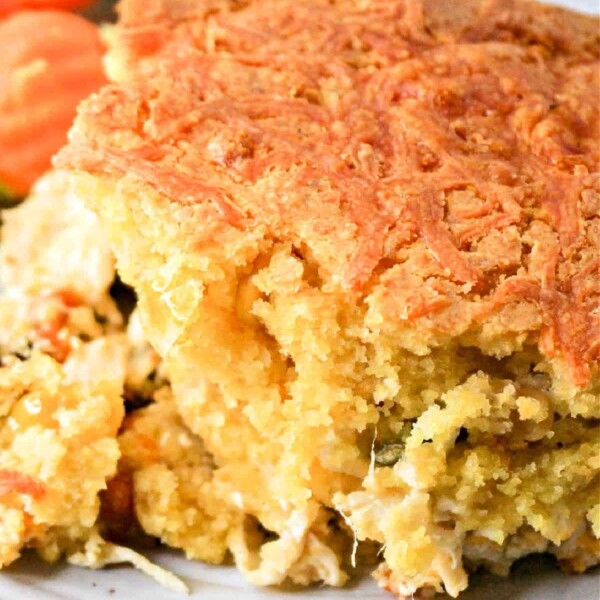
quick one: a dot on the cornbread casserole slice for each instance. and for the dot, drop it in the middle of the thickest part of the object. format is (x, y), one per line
(63, 362)
(66, 364)
(364, 238)
(58, 427)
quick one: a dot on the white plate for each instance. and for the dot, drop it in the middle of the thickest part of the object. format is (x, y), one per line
(533, 579)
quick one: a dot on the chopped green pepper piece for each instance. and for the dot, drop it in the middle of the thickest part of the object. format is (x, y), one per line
(389, 454)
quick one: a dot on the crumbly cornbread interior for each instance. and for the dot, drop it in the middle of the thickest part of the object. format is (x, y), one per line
(69, 367)
(450, 458)
(62, 369)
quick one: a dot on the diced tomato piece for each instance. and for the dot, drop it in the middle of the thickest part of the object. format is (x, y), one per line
(49, 62)
(69, 298)
(13, 481)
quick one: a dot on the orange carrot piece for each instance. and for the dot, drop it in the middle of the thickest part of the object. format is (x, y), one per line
(13, 481)
(9, 6)
(50, 61)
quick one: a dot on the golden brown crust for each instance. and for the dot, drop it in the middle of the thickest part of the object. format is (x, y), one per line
(447, 152)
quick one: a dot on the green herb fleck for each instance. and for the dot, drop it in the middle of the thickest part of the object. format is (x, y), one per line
(389, 454)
